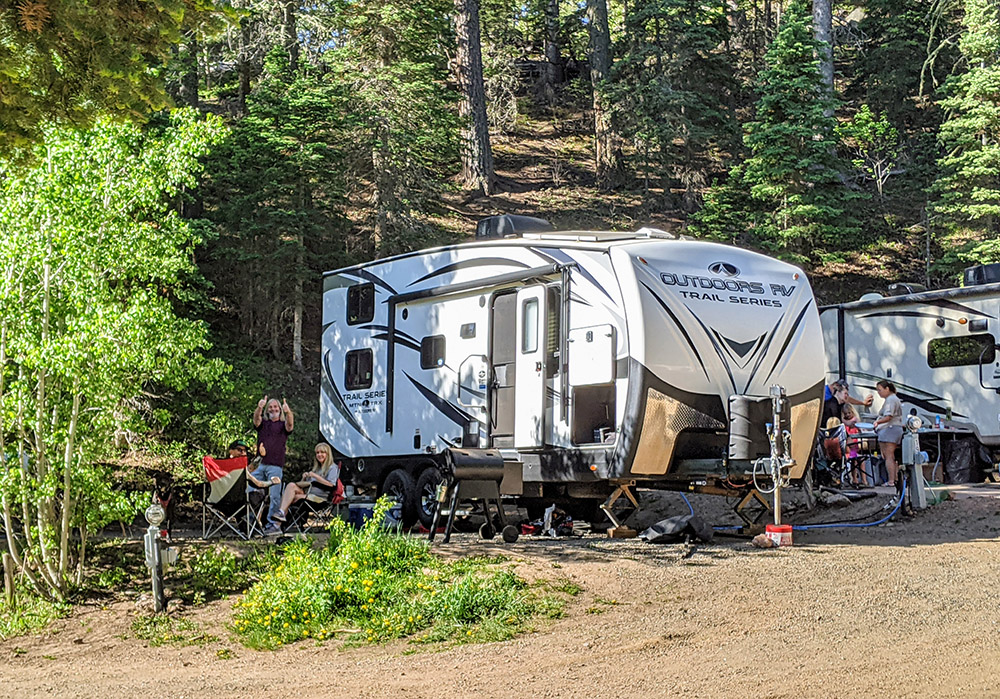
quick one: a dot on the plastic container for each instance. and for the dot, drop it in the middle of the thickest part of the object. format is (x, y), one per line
(359, 513)
(781, 534)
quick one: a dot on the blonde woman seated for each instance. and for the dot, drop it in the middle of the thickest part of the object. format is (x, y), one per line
(321, 481)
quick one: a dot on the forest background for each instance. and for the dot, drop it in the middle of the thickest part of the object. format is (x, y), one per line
(179, 174)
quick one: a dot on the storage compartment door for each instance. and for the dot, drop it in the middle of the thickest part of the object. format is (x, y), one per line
(529, 400)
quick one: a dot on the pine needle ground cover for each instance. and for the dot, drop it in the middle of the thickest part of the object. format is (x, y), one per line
(374, 585)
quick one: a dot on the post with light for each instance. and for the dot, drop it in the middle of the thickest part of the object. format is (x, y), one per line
(913, 461)
(155, 557)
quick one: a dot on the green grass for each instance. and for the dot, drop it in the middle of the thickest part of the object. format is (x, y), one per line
(28, 614)
(162, 630)
(374, 586)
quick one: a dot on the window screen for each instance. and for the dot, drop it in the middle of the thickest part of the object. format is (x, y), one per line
(360, 304)
(961, 351)
(432, 352)
(358, 370)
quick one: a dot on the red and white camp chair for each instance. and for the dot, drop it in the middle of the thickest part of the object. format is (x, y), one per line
(230, 499)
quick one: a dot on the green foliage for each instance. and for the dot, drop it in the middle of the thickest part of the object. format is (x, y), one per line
(31, 612)
(797, 202)
(70, 60)
(90, 254)
(670, 88)
(967, 193)
(873, 142)
(375, 585)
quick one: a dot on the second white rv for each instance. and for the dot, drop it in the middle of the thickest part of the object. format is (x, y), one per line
(937, 347)
(586, 359)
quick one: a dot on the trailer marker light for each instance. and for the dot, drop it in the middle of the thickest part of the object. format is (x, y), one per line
(963, 321)
(795, 276)
(643, 260)
(593, 467)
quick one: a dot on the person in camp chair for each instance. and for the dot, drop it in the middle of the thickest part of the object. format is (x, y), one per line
(238, 449)
(274, 422)
(321, 480)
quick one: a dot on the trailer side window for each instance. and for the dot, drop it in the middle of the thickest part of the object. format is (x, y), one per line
(358, 370)
(961, 351)
(432, 352)
(360, 303)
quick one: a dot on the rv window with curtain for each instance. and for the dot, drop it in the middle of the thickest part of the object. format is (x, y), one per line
(529, 326)
(360, 304)
(358, 370)
(961, 351)
(432, 352)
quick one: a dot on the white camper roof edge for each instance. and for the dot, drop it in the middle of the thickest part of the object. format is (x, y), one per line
(919, 297)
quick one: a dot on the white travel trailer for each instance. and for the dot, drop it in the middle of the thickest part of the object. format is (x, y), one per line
(937, 347)
(586, 359)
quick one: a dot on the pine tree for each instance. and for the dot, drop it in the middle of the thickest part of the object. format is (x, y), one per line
(968, 190)
(670, 88)
(792, 172)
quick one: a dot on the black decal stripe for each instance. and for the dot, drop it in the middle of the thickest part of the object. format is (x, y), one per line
(874, 379)
(409, 344)
(925, 404)
(718, 351)
(466, 264)
(473, 391)
(365, 274)
(912, 314)
(449, 442)
(788, 339)
(333, 393)
(459, 417)
(385, 328)
(955, 306)
(680, 327)
(561, 256)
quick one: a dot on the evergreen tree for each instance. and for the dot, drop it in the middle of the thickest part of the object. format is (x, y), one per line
(968, 190)
(795, 200)
(670, 91)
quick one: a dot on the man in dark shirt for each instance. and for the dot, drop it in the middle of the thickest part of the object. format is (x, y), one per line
(274, 422)
(831, 406)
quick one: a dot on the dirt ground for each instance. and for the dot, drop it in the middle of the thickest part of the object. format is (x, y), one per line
(908, 609)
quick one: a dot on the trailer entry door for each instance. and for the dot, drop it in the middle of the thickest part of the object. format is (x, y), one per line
(529, 400)
(503, 355)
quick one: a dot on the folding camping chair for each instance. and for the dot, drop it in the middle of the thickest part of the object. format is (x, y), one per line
(316, 510)
(831, 451)
(230, 499)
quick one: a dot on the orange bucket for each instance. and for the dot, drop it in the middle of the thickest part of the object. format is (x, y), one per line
(781, 534)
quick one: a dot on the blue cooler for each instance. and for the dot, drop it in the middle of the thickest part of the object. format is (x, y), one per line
(359, 513)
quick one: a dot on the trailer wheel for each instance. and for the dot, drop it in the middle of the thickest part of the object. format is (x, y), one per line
(427, 504)
(399, 487)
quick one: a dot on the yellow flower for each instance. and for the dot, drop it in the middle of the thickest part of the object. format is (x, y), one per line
(371, 600)
(469, 632)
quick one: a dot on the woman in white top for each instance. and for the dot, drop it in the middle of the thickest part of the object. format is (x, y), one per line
(322, 479)
(889, 426)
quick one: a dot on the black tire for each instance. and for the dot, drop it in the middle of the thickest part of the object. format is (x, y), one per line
(487, 532)
(427, 504)
(399, 486)
(510, 533)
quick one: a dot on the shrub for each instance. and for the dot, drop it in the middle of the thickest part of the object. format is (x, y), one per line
(375, 585)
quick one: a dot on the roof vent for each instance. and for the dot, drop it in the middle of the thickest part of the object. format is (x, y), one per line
(903, 288)
(981, 274)
(871, 296)
(510, 225)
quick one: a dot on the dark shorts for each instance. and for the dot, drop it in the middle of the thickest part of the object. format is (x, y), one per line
(890, 435)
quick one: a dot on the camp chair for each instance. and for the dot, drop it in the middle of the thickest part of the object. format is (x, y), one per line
(831, 452)
(316, 510)
(230, 500)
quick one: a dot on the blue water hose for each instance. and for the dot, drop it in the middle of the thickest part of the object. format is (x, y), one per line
(833, 525)
(687, 502)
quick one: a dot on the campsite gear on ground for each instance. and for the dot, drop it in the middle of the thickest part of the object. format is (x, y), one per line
(359, 512)
(780, 534)
(591, 359)
(680, 528)
(473, 474)
(229, 501)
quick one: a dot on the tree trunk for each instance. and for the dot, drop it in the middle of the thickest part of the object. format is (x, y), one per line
(289, 33)
(477, 156)
(243, 64)
(606, 151)
(188, 92)
(299, 311)
(823, 29)
(553, 63)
